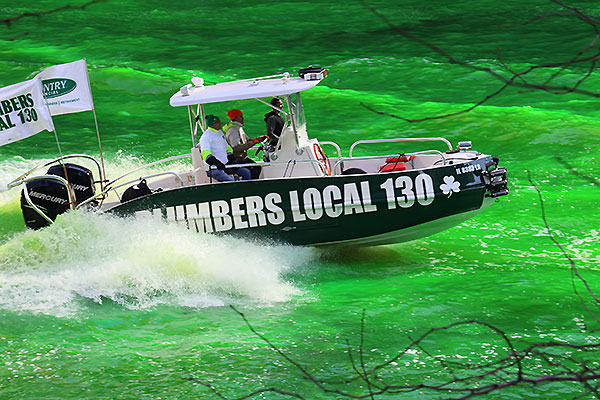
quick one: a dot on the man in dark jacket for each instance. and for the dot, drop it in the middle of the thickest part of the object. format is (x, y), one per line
(274, 121)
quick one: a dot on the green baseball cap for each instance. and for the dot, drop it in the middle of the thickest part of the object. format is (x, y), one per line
(212, 119)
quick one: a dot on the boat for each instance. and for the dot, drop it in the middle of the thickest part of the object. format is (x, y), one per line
(303, 196)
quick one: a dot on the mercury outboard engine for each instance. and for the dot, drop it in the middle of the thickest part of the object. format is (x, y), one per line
(50, 195)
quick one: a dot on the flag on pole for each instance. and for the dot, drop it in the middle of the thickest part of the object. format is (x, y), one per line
(23, 111)
(67, 88)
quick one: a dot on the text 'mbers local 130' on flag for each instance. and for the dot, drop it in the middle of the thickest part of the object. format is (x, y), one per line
(26, 107)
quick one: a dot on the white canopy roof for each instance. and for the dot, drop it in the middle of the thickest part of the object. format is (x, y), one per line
(239, 90)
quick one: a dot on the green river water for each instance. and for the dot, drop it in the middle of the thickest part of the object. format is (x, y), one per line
(97, 307)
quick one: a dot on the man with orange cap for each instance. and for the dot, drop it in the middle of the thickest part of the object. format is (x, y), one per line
(240, 142)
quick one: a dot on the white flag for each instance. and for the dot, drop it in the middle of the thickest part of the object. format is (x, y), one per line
(23, 111)
(67, 88)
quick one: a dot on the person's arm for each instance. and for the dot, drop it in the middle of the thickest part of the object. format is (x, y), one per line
(234, 138)
(239, 149)
(212, 160)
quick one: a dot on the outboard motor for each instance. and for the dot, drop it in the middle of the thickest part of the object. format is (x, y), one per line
(50, 195)
(495, 179)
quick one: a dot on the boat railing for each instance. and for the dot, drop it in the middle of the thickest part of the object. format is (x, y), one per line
(60, 179)
(260, 164)
(367, 141)
(288, 164)
(109, 185)
(334, 144)
(117, 183)
(416, 153)
(105, 192)
(321, 164)
(112, 186)
(260, 78)
(23, 178)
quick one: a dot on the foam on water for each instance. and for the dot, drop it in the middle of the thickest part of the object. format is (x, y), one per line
(12, 168)
(138, 263)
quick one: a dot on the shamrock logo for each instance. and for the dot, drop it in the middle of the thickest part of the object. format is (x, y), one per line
(450, 186)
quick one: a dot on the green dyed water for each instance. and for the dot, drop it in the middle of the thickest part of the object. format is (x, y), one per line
(97, 307)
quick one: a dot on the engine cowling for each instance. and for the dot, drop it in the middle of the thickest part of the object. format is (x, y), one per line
(51, 196)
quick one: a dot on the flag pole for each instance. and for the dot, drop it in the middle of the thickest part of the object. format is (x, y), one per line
(103, 177)
(62, 162)
(58, 145)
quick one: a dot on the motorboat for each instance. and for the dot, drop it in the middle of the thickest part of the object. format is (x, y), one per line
(303, 196)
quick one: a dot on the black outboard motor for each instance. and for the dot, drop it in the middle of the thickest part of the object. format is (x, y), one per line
(495, 178)
(50, 195)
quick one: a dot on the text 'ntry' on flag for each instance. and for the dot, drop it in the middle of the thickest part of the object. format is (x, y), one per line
(66, 88)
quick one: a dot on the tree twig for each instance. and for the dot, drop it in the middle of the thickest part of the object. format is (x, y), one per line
(574, 270)
(517, 79)
(8, 21)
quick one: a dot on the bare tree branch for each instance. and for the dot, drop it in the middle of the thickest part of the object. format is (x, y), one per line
(591, 179)
(516, 79)
(574, 270)
(536, 364)
(8, 21)
(517, 368)
(580, 14)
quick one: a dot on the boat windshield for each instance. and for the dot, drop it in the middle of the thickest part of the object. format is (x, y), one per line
(297, 110)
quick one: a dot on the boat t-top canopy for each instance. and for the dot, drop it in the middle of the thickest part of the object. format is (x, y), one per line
(269, 86)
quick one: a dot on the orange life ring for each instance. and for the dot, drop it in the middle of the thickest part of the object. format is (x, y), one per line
(324, 162)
